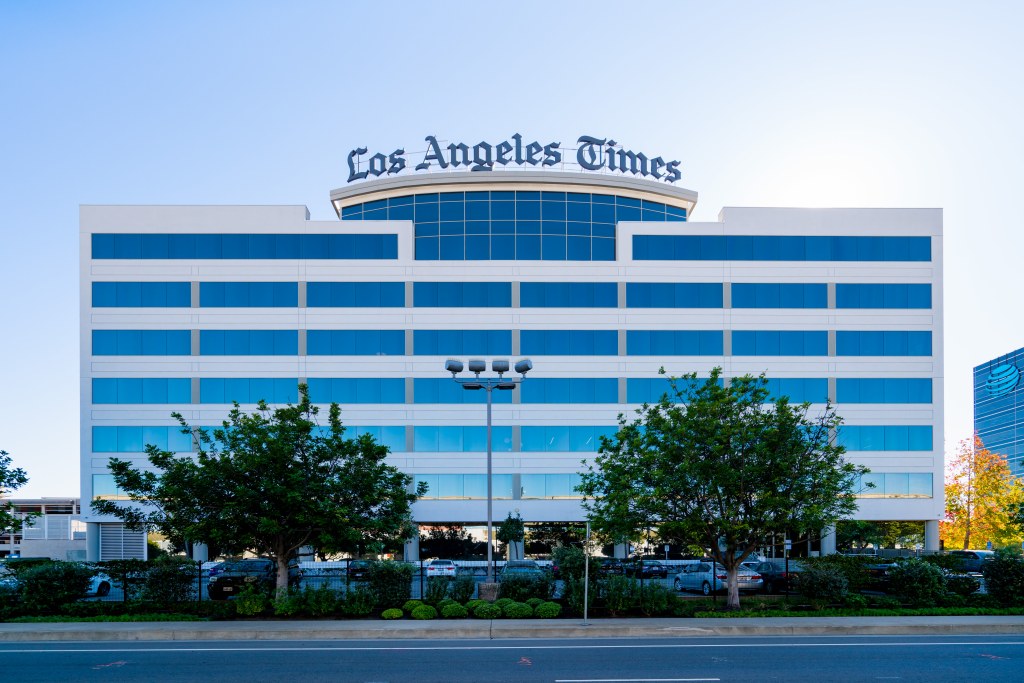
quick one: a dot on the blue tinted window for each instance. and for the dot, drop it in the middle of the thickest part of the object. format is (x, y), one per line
(798, 390)
(779, 248)
(883, 390)
(884, 343)
(141, 294)
(355, 294)
(568, 295)
(445, 390)
(781, 295)
(570, 390)
(779, 343)
(216, 246)
(673, 295)
(355, 342)
(883, 296)
(141, 343)
(248, 342)
(248, 294)
(433, 439)
(141, 390)
(247, 390)
(561, 438)
(462, 294)
(569, 342)
(885, 438)
(135, 439)
(462, 342)
(357, 390)
(674, 342)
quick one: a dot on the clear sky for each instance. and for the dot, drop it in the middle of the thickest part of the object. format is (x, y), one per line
(866, 104)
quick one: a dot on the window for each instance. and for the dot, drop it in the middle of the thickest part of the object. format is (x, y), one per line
(465, 486)
(570, 390)
(462, 294)
(357, 390)
(673, 295)
(783, 295)
(462, 342)
(248, 390)
(355, 342)
(885, 438)
(883, 390)
(674, 342)
(135, 439)
(141, 294)
(779, 248)
(393, 437)
(883, 296)
(561, 438)
(355, 294)
(104, 488)
(799, 390)
(894, 485)
(214, 246)
(248, 294)
(248, 342)
(569, 342)
(141, 343)
(444, 390)
(549, 486)
(568, 295)
(779, 343)
(886, 343)
(141, 390)
(456, 439)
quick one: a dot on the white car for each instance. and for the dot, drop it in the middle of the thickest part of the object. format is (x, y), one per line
(445, 568)
(700, 576)
(99, 585)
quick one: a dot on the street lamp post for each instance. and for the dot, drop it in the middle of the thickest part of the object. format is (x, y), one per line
(489, 384)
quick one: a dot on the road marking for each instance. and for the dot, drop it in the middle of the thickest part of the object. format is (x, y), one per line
(194, 648)
(628, 680)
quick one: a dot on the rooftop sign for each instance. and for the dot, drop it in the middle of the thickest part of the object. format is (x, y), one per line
(592, 154)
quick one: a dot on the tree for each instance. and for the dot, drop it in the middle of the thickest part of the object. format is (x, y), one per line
(859, 533)
(721, 466)
(511, 531)
(981, 497)
(269, 482)
(11, 479)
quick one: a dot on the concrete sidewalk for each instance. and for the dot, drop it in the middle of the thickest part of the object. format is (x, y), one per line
(507, 629)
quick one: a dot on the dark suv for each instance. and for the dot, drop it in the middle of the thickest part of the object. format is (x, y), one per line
(972, 560)
(260, 573)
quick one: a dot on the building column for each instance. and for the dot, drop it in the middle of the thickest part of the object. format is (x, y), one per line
(412, 548)
(931, 536)
(828, 540)
(92, 542)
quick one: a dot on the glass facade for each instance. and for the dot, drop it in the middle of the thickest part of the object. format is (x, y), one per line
(355, 294)
(569, 342)
(514, 225)
(207, 246)
(999, 407)
(141, 343)
(779, 248)
(769, 295)
(462, 294)
(141, 390)
(568, 295)
(355, 342)
(779, 343)
(248, 294)
(141, 294)
(885, 438)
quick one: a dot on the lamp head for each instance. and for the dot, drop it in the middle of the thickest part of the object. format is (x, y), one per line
(477, 366)
(499, 366)
(524, 366)
(453, 366)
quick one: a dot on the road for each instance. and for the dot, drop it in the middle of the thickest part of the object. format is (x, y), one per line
(818, 659)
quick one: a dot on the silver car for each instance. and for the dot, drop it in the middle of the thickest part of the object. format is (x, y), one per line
(700, 577)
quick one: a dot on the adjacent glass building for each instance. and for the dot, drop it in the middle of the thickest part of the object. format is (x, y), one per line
(599, 279)
(999, 407)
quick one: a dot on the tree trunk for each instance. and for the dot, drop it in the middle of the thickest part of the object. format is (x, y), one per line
(282, 573)
(733, 600)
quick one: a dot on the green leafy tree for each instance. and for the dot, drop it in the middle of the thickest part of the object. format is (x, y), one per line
(11, 479)
(722, 466)
(510, 532)
(269, 482)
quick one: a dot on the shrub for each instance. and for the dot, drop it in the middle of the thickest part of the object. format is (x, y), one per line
(855, 601)
(962, 585)
(654, 598)
(522, 588)
(487, 611)
(533, 602)
(128, 575)
(823, 582)
(46, 587)
(886, 602)
(502, 603)
(454, 611)
(436, 590)
(444, 603)
(358, 602)
(390, 582)
(547, 610)
(473, 604)
(321, 601)
(289, 604)
(620, 594)
(917, 583)
(392, 614)
(462, 588)
(410, 605)
(571, 562)
(170, 579)
(424, 612)
(517, 610)
(251, 602)
(852, 567)
(1004, 577)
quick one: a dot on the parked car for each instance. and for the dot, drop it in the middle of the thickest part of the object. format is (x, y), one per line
(99, 585)
(972, 561)
(259, 572)
(877, 576)
(707, 578)
(647, 569)
(521, 568)
(612, 565)
(445, 568)
(358, 570)
(775, 577)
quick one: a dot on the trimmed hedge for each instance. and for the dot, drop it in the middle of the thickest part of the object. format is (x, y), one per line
(424, 612)
(392, 613)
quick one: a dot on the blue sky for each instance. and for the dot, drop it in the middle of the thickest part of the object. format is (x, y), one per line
(913, 104)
